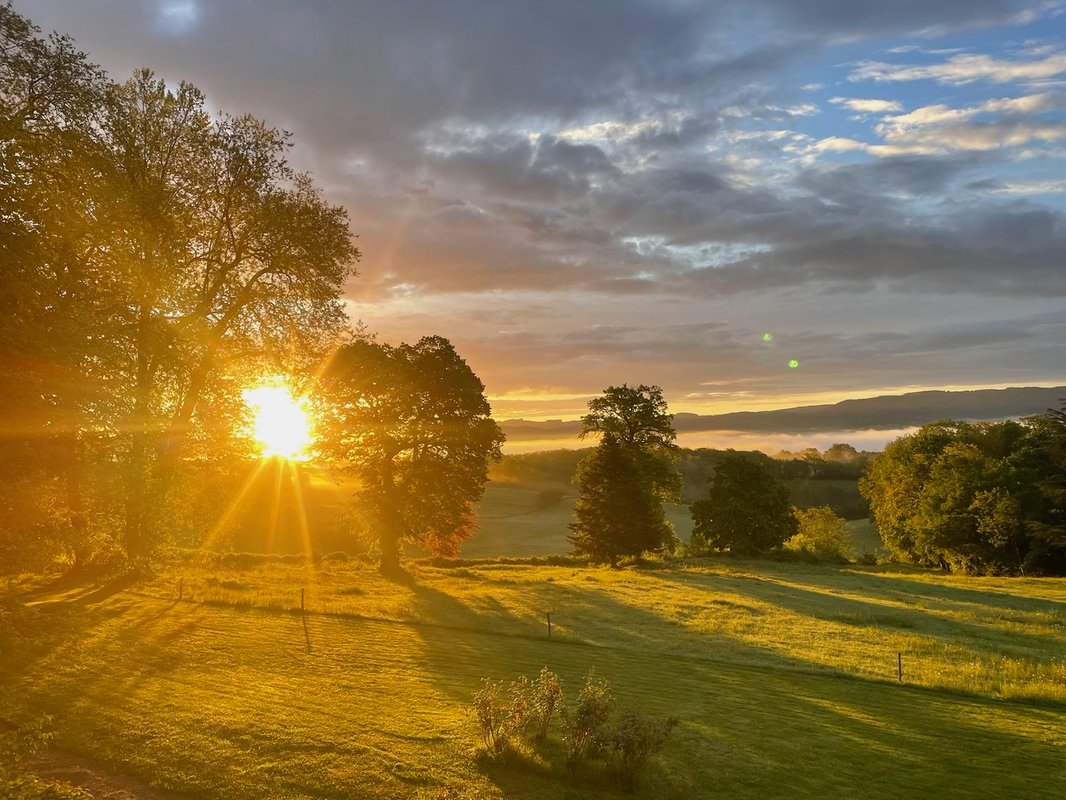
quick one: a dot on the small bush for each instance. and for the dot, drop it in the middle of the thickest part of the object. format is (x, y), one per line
(527, 708)
(588, 722)
(16, 746)
(632, 740)
(337, 556)
(548, 498)
(502, 713)
(821, 535)
(546, 702)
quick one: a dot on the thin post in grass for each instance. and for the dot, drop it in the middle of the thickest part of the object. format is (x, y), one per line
(899, 665)
(181, 587)
(302, 609)
(549, 615)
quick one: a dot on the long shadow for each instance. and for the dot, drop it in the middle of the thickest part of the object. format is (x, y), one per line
(739, 722)
(984, 597)
(67, 591)
(753, 711)
(895, 581)
(830, 606)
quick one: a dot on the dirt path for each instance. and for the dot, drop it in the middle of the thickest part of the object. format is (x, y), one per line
(54, 764)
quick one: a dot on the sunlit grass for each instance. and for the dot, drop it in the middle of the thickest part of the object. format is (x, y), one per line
(1001, 638)
(783, 677)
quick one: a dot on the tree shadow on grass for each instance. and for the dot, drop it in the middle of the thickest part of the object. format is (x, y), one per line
(826, 603)
(957, 594)
(78, 590)
(774, 732)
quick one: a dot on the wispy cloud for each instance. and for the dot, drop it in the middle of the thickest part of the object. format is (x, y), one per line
(867, 106)
(963, 69)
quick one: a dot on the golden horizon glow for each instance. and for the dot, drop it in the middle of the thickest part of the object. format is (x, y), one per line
(723, 397)
(280, 422)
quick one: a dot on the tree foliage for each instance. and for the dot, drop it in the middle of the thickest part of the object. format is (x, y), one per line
(618, 512)
(821, 535)
(624, 482)
(156, 258)
(413, 424)
(970, 497)
(746, 510)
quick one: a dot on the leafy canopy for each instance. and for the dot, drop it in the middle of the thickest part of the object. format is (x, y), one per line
(625, 480)
(970, 497)
(746, 510)
(412, 422)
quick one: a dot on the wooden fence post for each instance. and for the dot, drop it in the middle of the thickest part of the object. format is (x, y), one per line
(549, 624)
(899, 665)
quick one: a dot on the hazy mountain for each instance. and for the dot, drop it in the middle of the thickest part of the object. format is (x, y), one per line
(888, 412)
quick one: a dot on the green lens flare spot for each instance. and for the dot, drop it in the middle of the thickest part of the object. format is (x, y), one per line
(767, 337)
(793, 364)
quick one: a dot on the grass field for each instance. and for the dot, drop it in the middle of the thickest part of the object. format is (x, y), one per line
(513, 523)
(783, 677)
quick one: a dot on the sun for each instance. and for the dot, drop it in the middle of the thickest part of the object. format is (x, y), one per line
(280, 423)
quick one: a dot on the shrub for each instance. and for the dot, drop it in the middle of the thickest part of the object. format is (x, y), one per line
(548, 498)
(588, 723)
(502, 713)
(632, 740)
(18, 744)
(822, 535)
(547, 702)
(526, 708)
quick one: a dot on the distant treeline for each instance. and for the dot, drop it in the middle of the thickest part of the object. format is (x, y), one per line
(813, 478)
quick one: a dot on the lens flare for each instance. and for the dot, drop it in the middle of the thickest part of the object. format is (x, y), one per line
(767, 337)
(280, 423)
(793, 364)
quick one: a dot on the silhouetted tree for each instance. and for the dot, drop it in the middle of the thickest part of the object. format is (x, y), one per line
(618, 512)
(746, 510)
(624, 482)
(159, 257)
(413, 424)
(51, 291)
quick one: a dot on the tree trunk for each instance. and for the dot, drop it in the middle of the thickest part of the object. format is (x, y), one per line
(389, 544)
(136, 490)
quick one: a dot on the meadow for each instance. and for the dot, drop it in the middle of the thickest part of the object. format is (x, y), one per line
(783, 676)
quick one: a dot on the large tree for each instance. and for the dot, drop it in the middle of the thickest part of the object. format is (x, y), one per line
(414, 426)
(968, 497)
(52, 289)
(618, 512)
(746, 510)
(624, 482)
(231, 265)
(156, 258)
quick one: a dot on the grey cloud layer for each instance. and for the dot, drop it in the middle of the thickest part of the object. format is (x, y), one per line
(545, 148)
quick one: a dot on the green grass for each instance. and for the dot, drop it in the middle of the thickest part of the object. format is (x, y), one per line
(783, 677)
(866, 539)
(513, 523)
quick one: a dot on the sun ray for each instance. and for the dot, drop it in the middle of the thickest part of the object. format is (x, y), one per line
(220, 525)
(293, 469)
(275, 505)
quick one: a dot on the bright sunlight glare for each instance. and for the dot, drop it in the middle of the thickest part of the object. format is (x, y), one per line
(280, 424)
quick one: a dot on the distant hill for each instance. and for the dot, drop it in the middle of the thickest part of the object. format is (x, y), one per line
(888, 412)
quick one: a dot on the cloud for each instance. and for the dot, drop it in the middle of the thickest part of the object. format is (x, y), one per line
(650, 169)
(994, 124)
(867, 106)
(963, 69)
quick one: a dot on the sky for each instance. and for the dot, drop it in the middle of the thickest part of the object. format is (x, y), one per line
(753, 204)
